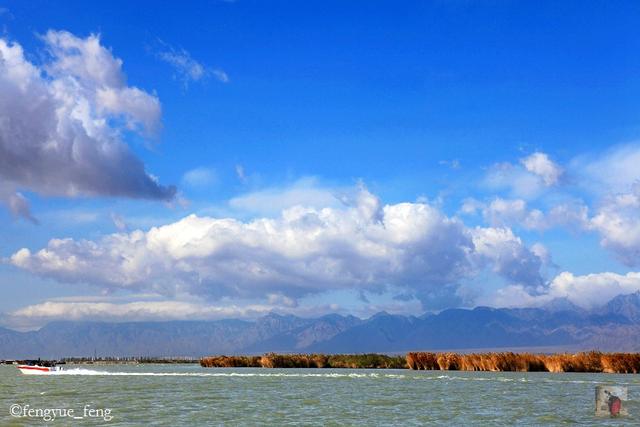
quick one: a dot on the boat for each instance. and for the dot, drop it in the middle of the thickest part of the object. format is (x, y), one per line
(38, 367)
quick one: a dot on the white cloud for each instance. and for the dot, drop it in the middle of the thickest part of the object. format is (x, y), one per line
(89, 72)
(361, 246)
(613, 177)
(514, 178)
(40, 314)
(471, 206)
(187, 68)
(541, 165)
(499, 212)
(611, 172)
(507, 255)
(528, 180)
(111, 309)
(541, 251)
(504, 212)
(61, 123)
(573, 215)
(588, 291)
(618, 221)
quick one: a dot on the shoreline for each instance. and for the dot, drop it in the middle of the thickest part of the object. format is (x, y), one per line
(109, 361)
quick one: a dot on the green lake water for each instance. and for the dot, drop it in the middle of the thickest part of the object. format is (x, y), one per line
(189, 395)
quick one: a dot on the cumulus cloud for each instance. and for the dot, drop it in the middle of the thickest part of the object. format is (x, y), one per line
(573, 214)
(612, 177)
(508, 255)
(528, 179)
(506, 212)
(541, 165)
(362, 246)
(61, 123)
(471, 206)
(188, 69)
(617, 220)
(588, 291)
(499, 212)
(514, 178)
(88, 70)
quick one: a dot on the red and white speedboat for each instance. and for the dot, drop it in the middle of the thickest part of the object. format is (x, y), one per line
(37, 369)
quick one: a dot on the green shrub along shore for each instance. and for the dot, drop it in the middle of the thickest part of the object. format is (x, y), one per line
(593, 361)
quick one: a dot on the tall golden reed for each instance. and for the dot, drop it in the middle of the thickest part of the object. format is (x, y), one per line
(592, 361)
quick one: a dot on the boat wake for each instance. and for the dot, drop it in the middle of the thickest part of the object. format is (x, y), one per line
(81, 371)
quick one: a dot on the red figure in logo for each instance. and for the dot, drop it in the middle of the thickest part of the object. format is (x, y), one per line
(615, 404)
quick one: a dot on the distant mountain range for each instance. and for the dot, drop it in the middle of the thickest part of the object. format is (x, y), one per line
(557, 327)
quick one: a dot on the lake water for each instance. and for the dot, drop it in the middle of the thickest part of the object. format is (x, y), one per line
(119, 395)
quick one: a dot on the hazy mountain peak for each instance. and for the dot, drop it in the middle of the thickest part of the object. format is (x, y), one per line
(561, 304)
(627, 306)
(380, 314)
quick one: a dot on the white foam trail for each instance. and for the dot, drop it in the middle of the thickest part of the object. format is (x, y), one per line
(80, 371)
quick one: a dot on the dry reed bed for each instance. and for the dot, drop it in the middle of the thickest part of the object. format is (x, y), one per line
(272, 360)
(628, 363)
(594, 361)
(231, 362)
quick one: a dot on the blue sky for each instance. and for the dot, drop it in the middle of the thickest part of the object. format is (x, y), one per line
(514, 123)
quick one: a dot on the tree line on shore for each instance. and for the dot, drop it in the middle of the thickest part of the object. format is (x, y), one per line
(593, 361)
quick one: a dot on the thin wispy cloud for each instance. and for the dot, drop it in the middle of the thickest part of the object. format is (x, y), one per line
(119, 222)
(199, 177)
(187, 68)
(241, 174)
(452, 164)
